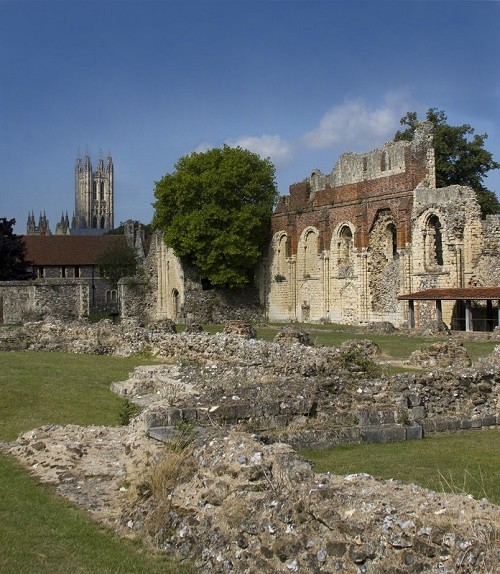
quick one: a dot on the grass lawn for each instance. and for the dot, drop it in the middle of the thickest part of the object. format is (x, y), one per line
(396, 346)
(59, 388)
(40, 532)
(43, 534)
(467, 462)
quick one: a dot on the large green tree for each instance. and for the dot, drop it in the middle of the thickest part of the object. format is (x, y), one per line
(215, 210)
(13, 264)
(460, 156)
(117, 261)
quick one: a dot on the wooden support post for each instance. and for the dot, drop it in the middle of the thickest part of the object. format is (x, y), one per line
(411, 314)
(439, 312)
(489, 315)
(468, 316)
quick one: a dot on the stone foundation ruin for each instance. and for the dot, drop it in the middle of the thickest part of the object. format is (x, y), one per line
(236, 498)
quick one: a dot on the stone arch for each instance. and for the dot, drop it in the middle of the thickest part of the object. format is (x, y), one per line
(383, 262)
(278, 255)
(342, 246)
(308, 252)
(281, 254)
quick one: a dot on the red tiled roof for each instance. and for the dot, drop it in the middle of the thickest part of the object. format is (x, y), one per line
(477, 293)
(44, 250)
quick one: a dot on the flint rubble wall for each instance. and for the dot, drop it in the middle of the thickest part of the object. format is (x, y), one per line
(304, 395)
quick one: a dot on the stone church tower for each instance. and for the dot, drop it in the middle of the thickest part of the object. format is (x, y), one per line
(94, 195)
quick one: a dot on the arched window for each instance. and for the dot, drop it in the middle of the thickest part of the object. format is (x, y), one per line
(385, 161)
(102, 190)
(344, 246)
(103, 222)
(111, 296)
(310, 253)
(434, 241)
(94, 190)
(94, 222)
(281, 255)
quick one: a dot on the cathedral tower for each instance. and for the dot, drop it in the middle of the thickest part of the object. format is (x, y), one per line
(94, 195)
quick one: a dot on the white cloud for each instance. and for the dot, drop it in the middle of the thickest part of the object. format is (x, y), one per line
(274, 147)
(354, 124)
(203, 147)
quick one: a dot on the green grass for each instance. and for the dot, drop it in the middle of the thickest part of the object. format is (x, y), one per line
(396, 346)
(59, 388)
(39, 531)
(467, 462)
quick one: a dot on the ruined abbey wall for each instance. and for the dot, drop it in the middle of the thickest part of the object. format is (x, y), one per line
(346, 245)
(27, 300)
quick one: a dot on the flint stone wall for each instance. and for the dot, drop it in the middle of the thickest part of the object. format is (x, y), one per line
(303, 395)
(61, 298)
(243, 507)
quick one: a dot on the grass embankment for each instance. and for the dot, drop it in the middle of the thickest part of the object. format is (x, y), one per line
(39, 531)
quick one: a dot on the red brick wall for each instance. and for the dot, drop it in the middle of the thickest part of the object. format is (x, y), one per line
(358, 203)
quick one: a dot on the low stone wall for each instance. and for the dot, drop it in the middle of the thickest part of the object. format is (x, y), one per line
(243, 502)
(219, 305)
(62, 298)
(283, 391)
(230, 503)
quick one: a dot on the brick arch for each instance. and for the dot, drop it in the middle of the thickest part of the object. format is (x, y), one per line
(280, 248)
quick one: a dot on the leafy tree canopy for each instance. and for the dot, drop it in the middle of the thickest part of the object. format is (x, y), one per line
(117, 261)
(13, 264)
(460, 156)
(215, 210)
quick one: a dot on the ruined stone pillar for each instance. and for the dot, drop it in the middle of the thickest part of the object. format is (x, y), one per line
(294, 287)
(326, 285)
(489, 315)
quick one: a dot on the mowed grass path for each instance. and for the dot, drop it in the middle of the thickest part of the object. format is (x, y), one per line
(40, 532)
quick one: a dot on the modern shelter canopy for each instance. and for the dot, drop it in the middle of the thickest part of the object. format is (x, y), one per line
(465, 294)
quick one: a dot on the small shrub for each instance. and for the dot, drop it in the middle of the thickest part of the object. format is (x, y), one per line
(127, 412)
(278, 278)
(187, 434)
(354, 360)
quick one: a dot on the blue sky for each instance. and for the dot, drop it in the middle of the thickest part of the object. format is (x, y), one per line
(301, 82)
